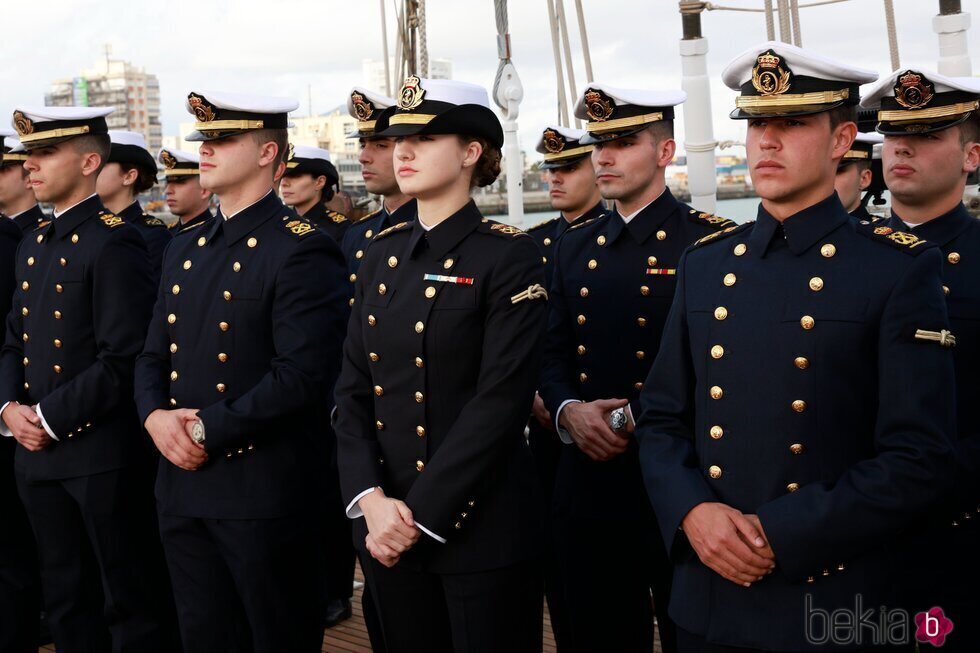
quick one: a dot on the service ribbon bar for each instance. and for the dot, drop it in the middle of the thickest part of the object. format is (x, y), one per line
(668, 271)
(466, 281)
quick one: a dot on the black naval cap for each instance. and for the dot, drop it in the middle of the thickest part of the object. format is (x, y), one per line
(779, 80)
(562, 147)
(42, 126)
(130, 147)
(367, 106)
(915, 102)
(441, 106)
(303, 159)
(221, 114)
(862, 149)
(613, 113)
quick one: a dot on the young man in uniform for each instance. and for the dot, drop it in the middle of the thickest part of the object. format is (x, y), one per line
(84, 471)
(185, 197)
(855, 173)
(780, 486)
(243, 350)
(17, 200)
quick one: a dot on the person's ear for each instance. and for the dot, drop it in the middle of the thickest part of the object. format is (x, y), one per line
(865, 179)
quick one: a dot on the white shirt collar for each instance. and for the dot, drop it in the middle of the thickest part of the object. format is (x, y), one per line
(58, 213)
(627, 218)
(229, 217)
(425, 226)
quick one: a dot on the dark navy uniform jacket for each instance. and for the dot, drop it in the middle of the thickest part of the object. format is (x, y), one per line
(547, 233)
(861, 213)
(958, 235)
(440, 366)
(612, 288)
(332, 222)
(196, 221)
(30, 219)
(154, 232)
(247, 328)
(78, 320)
(758, 399)
(10, 235)
(359, 235)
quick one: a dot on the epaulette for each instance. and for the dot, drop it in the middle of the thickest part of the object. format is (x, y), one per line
(401, 226)
(368, 216)
(153, 222)
(298, 227)
(541, 224)
(503, 230)
(338, 218)
(903, 240)
(42, 224)
(110, 220)
(589, 221)
(721, 235)
(709, 219)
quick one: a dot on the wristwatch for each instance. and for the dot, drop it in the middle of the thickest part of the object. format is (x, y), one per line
(617, 420)
(197, 432)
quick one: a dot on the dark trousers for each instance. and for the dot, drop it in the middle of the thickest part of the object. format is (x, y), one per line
(372, 622)
(340, 553)
(247, 586)
(102, 572)
(20, 582)
(482, 612)
(608, 575)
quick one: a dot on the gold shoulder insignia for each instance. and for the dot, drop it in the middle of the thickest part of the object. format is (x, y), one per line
(338, 218)
(392, 229)
(153, 222)
(505, 229)
(724, 233)
(709, 219)
(903, 240)
(42, 224)
(541, 224)
(111, 220)
(299, 227)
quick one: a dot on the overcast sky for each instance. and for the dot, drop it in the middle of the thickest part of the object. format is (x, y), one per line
(282, 47)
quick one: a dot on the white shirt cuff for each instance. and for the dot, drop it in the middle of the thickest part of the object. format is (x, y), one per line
(353, 510)
(563, 434)
(44, 423)
(4, 431)
(629, 415)
(425, 530)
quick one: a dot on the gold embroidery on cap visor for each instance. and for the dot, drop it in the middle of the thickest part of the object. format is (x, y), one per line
(411, 119)
(55, 133)
(935, 113)
(788, 103)
(569, 154)
(624, 123)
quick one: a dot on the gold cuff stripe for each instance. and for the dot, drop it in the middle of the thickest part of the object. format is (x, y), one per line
(411, 119)
(621, 123)
(179, 172)
(925, 114)
(792, 99)
(567, 154)
(222, 125)
(54, 133)
(857, 154)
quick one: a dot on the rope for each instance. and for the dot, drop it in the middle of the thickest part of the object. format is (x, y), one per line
(770, 22)
(892, 36)
(710, 6)
(503, 45)
(785, 33)
(794, 7)
(559, 73)
(423, 43)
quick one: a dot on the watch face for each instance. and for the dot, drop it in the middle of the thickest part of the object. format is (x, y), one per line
(618, 419)
(197, 432)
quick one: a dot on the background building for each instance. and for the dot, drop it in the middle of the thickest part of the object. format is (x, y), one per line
(130, 90)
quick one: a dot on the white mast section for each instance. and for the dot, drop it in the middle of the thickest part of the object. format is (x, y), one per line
(951, 25)
(508, 93)
(699, 137)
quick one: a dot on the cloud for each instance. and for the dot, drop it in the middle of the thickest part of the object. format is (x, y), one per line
(316, 47)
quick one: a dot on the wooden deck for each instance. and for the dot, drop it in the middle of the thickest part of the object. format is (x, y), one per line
(351, 636)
